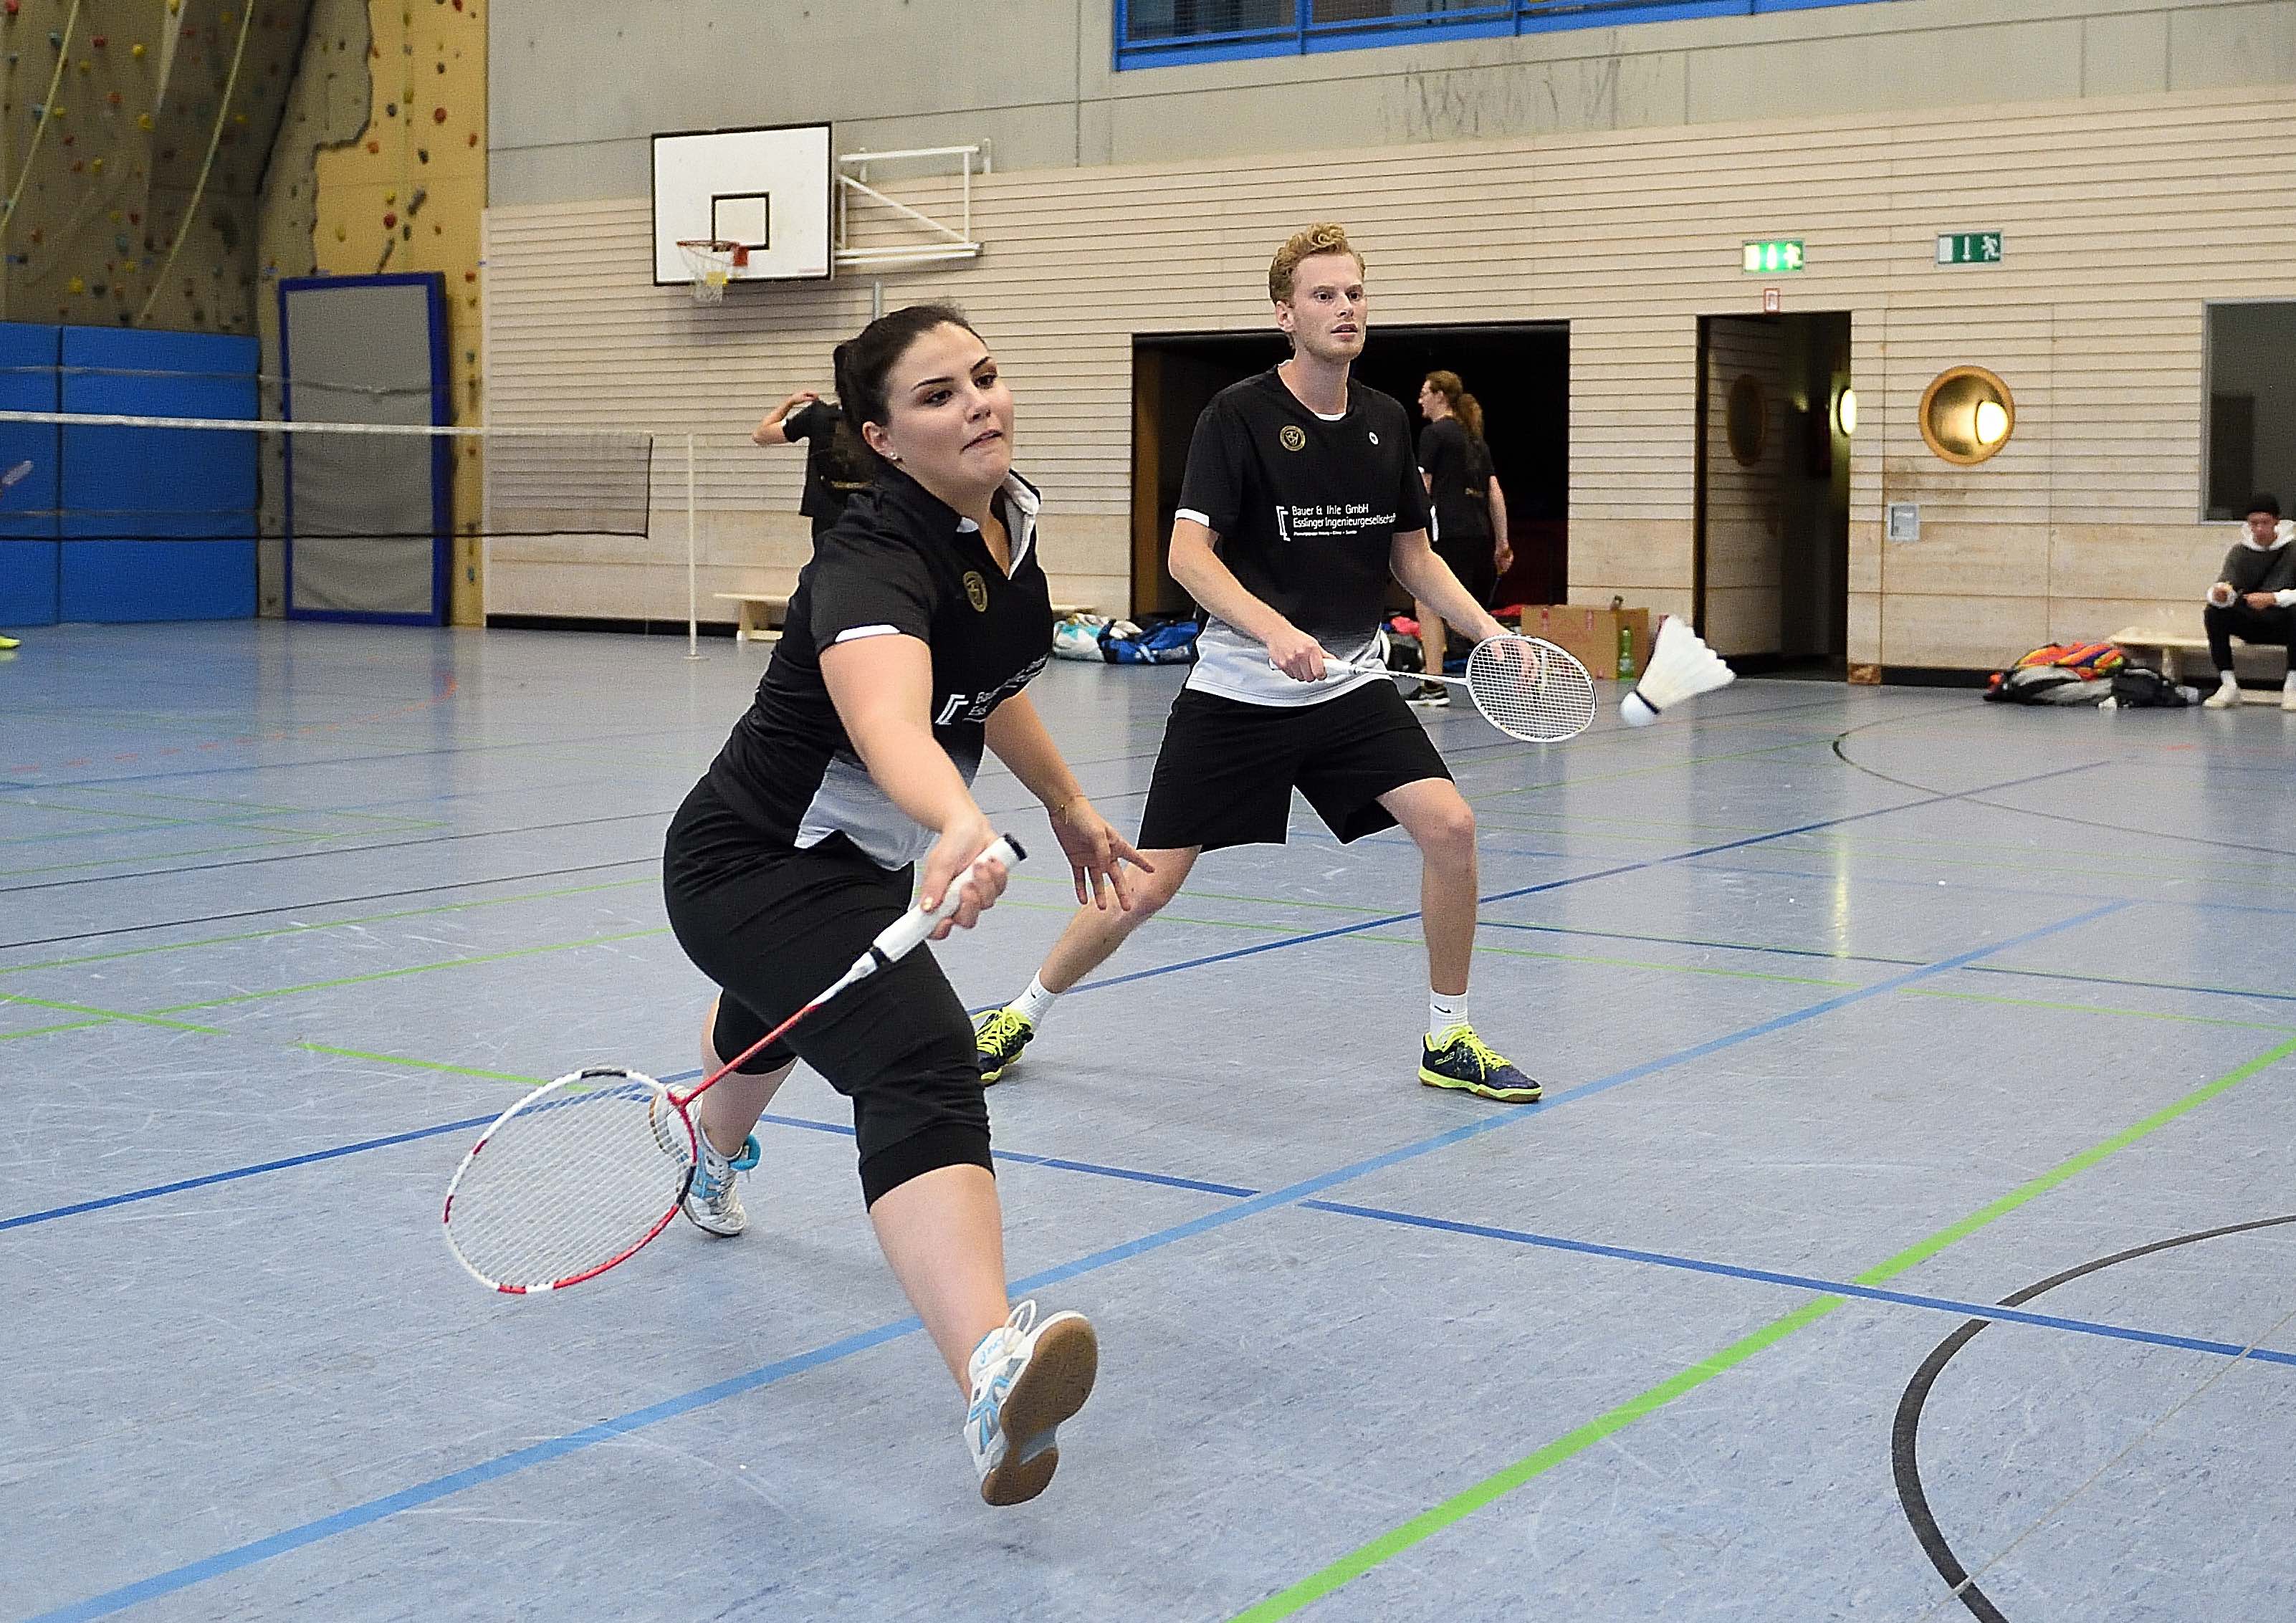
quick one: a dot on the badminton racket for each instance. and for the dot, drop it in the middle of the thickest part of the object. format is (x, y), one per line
(1525, 686)
(580, 1174)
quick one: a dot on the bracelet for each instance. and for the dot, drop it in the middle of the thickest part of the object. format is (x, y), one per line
(1059, 812)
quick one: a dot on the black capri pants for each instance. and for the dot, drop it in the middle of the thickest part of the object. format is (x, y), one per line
(773, 927)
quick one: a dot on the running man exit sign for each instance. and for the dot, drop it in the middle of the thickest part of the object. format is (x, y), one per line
(1969, 248)
(1768, 258)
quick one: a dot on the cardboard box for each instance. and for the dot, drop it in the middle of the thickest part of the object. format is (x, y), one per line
(1592, 635)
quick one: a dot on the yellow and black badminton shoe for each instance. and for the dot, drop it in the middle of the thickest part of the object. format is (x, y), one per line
(1467, 1063)
(998, 1041)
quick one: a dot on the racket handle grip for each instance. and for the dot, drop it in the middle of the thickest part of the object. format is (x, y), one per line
(901, 937)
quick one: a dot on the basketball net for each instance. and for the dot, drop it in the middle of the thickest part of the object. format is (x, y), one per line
(713, 262)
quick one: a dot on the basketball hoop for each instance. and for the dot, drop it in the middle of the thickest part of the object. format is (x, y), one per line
(713, 262)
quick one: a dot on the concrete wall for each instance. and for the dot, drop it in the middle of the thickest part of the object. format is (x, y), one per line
(577, 91)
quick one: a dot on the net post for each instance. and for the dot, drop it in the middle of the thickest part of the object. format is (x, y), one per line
(692, 596)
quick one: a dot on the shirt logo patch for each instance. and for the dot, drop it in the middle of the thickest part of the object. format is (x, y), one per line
(1293, 437)
(1374, 438)
(976, 591)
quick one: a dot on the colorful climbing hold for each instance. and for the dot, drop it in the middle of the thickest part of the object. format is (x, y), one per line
(142, 121)
(375, 146)
(75, 286)
(438, 115)
(136, 50)
(422, 154)
(340, 234)
(389, 220)
(390, 110)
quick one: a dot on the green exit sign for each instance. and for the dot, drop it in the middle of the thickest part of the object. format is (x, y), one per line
(1769, 259)
(1969, 248)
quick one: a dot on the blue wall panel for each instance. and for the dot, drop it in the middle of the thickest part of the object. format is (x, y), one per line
(159, 524)
(28, 545)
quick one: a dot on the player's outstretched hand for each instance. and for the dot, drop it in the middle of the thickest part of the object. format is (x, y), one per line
(949, 862)
(1296, 655)
(1096, 850)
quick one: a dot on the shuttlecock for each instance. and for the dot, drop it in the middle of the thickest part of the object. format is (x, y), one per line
(1681, 667)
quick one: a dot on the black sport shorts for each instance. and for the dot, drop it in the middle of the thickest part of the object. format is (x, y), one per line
(1225, 773)
(774, 927)
(1475, 563)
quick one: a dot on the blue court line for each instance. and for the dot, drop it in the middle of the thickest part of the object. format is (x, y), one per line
(1581, 879)
(235, 1173)
(376, 1510)
(1377, 923)
(1019, 1157)
(1804, 1281)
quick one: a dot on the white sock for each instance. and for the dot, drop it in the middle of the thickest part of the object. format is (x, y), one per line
(1446, 1012)
(2288, 682)
(2226, 678)
(1033, 1005)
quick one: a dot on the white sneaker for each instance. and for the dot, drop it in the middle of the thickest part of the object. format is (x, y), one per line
(2226, 698)
(1025, 1382)
(2288, 693)
(712, 1203)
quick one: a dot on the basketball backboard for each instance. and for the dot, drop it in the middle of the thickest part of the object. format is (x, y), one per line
(766, 188)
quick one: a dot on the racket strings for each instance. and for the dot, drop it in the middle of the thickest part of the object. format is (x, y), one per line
(1530, 690)
(564, 1184)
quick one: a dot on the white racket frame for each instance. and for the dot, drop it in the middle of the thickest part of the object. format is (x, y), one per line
(623, 1076)
(1547, 652)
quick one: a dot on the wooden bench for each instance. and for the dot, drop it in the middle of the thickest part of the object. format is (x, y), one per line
(2171, 644)
(757, 610)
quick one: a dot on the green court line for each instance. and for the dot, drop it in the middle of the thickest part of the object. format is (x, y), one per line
(305, 929)
(1223, 895)
(2090, 1008)
(1644, 772)
(205, 850)
(412, 969)
(77, 1025)
(1168, 916)
(1628, 964)
(153, 1018)
(1463, 1504)
(397, 1058)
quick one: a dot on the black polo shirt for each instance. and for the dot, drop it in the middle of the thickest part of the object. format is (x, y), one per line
(837, 466)
(1306, 508)
(899, 563)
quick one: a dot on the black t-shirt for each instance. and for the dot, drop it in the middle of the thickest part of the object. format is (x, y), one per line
(1307, 509)
(898, 562)
(1458, 469)
(838, 466)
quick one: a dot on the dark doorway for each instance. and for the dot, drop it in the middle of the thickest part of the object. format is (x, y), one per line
(1773, 519)
(1520, 372)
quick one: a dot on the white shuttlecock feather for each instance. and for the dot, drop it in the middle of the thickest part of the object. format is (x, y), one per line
(1681, 667)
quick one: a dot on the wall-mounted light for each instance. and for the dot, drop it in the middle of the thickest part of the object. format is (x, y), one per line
(1967, 415)
(1845, 412)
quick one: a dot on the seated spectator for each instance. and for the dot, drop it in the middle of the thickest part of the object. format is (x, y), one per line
(2254, 599)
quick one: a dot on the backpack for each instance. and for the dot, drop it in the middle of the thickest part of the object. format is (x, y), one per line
(2059, 673)
(1158, 639)
(2136, 688)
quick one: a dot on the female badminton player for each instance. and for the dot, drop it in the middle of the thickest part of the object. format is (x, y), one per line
(911, 635)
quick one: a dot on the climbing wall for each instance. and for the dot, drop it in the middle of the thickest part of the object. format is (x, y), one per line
(133, 148)
(407, 196)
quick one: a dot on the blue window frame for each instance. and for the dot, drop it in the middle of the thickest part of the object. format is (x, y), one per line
(1159, 33)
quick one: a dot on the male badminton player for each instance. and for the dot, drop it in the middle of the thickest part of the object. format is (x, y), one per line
(909, 639)
(1301, 497)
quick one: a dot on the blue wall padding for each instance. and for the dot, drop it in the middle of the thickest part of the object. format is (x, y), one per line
(127, 491)
(27, 543)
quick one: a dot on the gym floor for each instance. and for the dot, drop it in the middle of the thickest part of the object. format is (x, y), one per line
(1914, 1198)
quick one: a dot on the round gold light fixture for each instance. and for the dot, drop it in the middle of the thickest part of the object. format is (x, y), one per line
(1746, 419)
(1967, 415)
(1845, 412)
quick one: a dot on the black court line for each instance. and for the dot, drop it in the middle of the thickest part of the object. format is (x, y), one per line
(1905, 1435)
